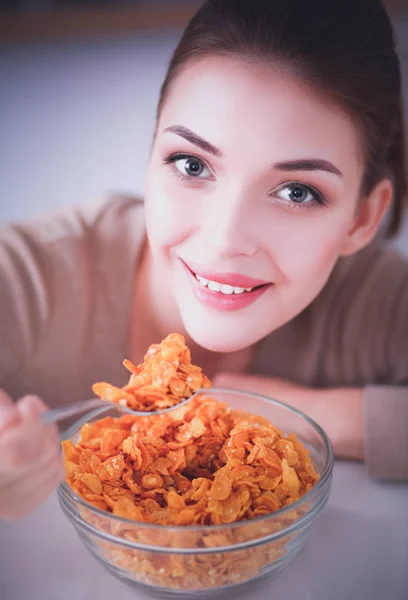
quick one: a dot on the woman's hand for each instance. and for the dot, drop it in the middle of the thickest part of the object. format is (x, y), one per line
(30, 463)
(339, 411)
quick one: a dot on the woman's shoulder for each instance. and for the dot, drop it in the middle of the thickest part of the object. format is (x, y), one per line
(374, 277)
(375, 262)
(108, 210)
(61, 248)
(72, 236)
(363, 314)
(59, 271)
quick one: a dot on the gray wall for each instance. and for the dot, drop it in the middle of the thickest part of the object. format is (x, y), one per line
(76, 119)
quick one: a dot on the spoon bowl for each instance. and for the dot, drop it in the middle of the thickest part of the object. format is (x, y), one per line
(63, 412)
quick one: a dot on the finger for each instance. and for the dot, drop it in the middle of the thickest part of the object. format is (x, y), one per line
(22, 445)
(31, 406)
(49, 452)
(9, 414)
(19, 504)
(26, 482)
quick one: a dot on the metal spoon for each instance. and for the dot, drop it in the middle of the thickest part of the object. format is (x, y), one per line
(58, 414)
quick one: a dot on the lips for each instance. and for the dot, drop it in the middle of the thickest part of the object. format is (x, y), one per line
(232, 279)
(220, 291)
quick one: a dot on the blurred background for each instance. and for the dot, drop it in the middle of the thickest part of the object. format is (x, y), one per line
(79, 82)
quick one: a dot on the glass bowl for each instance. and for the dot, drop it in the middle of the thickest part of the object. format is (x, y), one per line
(185, 561)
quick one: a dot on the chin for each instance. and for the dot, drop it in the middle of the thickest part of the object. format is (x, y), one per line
(216, 336)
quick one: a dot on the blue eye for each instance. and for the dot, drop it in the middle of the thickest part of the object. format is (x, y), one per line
(189, 166)
(299, 194)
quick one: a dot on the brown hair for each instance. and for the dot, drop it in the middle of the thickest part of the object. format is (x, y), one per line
(345, 48)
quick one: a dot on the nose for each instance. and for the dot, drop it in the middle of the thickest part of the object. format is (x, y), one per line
(226, 227)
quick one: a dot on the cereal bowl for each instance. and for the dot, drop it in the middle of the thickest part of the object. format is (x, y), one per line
(194, 560)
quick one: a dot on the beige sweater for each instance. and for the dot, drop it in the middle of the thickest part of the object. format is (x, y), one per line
(65, 293)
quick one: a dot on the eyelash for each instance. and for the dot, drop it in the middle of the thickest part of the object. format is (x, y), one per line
(319, 199)
(170, 160)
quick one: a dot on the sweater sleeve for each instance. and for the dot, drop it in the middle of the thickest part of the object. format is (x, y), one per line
(386, 400)
(386, 431)
(377, 344)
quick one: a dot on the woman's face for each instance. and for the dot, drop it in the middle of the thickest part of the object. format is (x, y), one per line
(251, 193)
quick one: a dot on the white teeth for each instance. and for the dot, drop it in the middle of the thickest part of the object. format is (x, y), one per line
(215, 286)
(227, 289)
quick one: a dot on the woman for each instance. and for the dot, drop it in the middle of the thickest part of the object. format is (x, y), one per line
(278, 150)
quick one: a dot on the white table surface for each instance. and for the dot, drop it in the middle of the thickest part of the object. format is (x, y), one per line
(358, 550)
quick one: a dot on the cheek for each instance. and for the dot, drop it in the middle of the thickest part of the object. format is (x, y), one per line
(307, 249)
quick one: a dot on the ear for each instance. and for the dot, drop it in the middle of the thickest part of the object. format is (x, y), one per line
(368, 217)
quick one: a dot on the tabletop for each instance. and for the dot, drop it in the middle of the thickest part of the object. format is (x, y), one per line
(358, 549)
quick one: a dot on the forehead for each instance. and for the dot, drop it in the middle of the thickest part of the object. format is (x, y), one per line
(229, 101)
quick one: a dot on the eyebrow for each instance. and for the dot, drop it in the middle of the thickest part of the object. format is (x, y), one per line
(194, 138)
(308, 164)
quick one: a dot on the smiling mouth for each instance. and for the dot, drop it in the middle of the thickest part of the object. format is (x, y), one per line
(224, 288)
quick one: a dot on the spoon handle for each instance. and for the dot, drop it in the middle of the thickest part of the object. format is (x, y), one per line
(63, 412)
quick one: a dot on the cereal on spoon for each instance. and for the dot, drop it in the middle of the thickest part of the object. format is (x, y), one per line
(164, 379)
